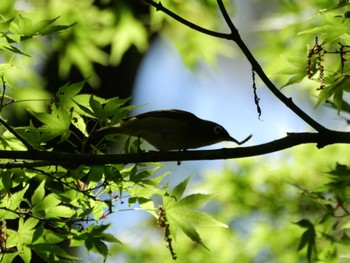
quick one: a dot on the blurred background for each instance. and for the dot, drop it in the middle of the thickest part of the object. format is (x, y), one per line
(125, 48)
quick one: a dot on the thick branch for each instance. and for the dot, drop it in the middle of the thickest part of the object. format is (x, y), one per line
(72, 159)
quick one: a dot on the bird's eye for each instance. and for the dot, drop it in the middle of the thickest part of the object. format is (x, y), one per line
(218, 130)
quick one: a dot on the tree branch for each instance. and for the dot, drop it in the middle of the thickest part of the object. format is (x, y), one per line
(72, 159)
(235, 36)
(160, 7)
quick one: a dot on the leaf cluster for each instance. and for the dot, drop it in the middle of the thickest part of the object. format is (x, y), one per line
(323, 66)
(43, 209)
(18, 29)
(64, 205)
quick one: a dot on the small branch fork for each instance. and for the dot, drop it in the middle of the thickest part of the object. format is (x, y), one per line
(235, 36)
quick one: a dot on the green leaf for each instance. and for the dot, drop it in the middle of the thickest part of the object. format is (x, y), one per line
(129, 32)
(5, 24)
(294, 80)
(112, 106)
(24, 235)
(41, 25)
(52, 253)
(38, 194)
(43, 235)
(60, 211)
(195, 217)
(296, 68)
(149, 206)
(338, 91)
(32, 135)
(15, 50)
(138, 177)
(68, 92)
(12, 203)
(110, 238)
(96, 107)
(100, 247)
(191, 201)
(79, 123)
(338, 83)
(26, 254)
(28, 225)
(120, 114)
(304, 223)
(180, 189)
(182, 214)
(84, 110)
(5, 67)
(8, 257)
(5, 181)
(308, 238)
(338, 99)
(191, 232)
(55, 124)
(112, 174)
(329, 32)
(56, 28)
(27, 29)
(48, 201)
(98, 210)
(25, 26)
(93, 237)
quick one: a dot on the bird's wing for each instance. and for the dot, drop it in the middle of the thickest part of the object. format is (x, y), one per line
(176, 114)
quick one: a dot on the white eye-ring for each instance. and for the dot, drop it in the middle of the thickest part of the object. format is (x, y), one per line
(218, 130)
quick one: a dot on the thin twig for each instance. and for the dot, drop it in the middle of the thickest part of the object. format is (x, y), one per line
(3, 92)
(8, 127)
(11, 130)
(160, 7)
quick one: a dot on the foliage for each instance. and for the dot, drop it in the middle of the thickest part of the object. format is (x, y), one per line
(45, 208)
(103, 31)
(326, 39)
(274, 207)
(69, 204)
(192, 50)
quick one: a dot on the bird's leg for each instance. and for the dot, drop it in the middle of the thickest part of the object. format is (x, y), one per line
(139, 150)
(179, 162)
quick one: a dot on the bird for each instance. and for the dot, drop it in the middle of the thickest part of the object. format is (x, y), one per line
(170, 130)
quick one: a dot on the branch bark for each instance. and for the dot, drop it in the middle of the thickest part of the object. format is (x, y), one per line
(75, 159)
